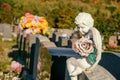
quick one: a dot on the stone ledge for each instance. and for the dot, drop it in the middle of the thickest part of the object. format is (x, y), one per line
(99, 73)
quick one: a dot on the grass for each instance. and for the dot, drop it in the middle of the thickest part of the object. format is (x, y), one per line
(5, 47)
(112, 49)
(5, 60)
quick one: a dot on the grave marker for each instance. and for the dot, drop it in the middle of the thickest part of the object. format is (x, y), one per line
(71, 42)
(112, 41)
(1, 29)
(7, 32)
(63, 41)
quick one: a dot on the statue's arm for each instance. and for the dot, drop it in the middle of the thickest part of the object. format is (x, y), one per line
(98, 58)
(98, 44)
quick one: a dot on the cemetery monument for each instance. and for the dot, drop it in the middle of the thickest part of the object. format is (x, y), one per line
(89, 46)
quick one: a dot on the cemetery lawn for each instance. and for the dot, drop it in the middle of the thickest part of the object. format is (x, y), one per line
(5, 60)
(117, 50)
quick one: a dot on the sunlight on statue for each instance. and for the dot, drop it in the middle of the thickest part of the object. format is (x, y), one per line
(89, 47)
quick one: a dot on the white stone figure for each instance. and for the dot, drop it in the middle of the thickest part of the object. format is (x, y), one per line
(84, 24)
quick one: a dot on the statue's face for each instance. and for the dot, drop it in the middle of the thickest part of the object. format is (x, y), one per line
(82, 28)
(84, 22)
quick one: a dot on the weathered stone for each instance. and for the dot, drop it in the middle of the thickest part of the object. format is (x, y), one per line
(99, 73)
(7, 32)
(42, 38)
(49, 44)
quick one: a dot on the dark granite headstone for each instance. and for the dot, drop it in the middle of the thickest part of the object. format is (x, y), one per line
(108, 68)
(111, 62)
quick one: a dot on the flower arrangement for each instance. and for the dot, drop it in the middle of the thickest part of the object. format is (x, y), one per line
(83, 46)
(33, 24)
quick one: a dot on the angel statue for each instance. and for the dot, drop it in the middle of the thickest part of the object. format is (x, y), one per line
(88, 46)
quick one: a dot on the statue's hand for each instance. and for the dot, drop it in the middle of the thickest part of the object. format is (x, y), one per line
(76, 72)
(88, 70)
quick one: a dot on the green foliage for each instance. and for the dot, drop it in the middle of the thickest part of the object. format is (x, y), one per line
(65, 20)
(61, 14)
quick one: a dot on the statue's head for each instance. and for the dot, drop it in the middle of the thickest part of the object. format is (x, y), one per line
(84, 22)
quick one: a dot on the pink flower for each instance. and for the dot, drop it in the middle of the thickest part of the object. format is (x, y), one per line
(83, 46)
(38, 66)
(16, 66)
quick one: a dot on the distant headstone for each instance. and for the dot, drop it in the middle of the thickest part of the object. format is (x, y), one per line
(112, 41)
(51, 33)
(55, 37)
(7, 32)
(63, 41)
(71, 42)
(1, 29)
(68, 32)
(16, 30)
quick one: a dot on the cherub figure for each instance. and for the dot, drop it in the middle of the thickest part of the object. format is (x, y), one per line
(91, 52)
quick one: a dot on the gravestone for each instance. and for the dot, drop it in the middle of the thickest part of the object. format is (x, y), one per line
(34, 59)
(43, 38)
(7, 32)
(58, 69)
(55, 37)
(31, 39)
(99, 73)
(71, 42)
(112, 41)
(16, 30)
(29, 72)
(63, 41)
(111, 62)
(118, 38)
(68, 32)
(1, 29)
(59, 56)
